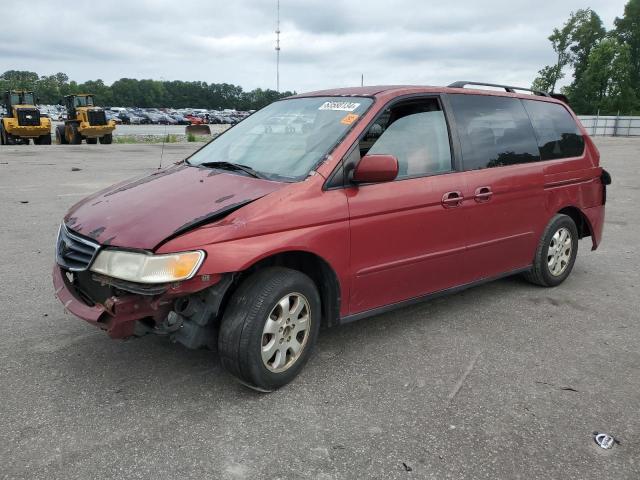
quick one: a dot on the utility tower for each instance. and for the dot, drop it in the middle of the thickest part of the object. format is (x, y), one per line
(278, 49)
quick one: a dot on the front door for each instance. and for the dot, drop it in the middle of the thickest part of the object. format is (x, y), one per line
(407, 236)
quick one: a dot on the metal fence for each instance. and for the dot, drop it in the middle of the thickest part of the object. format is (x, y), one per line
(611, 125)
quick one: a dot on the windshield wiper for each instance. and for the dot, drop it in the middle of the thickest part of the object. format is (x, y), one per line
(233, 166)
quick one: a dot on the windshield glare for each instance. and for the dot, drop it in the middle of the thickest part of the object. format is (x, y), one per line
(287, 139)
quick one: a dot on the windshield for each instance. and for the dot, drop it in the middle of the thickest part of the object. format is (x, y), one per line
(83, 101)
(287, 139)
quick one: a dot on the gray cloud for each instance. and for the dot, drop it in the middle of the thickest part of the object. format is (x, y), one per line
(325, 43)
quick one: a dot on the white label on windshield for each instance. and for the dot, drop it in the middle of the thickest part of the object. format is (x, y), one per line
(339, 106)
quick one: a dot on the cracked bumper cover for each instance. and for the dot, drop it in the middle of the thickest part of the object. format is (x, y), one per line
(118, 316)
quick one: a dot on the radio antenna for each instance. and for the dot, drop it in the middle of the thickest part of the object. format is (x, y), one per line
(164, 139)
(278, 49)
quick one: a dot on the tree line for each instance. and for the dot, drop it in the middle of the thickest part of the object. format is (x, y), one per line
(605, 64)
(129, 92)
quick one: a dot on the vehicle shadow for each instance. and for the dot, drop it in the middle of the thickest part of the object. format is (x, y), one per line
(151, 364)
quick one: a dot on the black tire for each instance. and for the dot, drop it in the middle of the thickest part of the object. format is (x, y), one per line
(72, 134)
(92, 141)
(43, 140)
(106, 139)
(241, 331)
(61, 139)
(540, 273)
(3, 141)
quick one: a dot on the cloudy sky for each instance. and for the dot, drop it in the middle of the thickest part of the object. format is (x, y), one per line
(325, 43)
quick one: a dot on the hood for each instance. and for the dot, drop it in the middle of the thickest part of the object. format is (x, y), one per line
(143, 212)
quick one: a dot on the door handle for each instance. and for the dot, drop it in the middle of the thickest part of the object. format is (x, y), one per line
(452, 199)
(483, 194)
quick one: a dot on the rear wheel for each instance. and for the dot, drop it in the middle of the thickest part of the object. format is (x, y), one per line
(43, 140)
(3, 140)
(556, 252)
(106, 139)
(269, 328)
(92, 141)
(60, 136)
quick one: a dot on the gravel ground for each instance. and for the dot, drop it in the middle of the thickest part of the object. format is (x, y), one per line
(503, 381)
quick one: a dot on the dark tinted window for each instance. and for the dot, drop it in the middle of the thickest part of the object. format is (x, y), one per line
(494, 131)
(557, 132)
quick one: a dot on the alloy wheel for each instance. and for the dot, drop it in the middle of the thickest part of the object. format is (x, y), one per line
(559, 252)
(286, 332)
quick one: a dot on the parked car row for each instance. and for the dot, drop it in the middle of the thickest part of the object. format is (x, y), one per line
(137, 116)
(143, 116)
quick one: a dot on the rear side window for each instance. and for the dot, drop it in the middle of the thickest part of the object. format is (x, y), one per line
(557, 132)
(494, 131)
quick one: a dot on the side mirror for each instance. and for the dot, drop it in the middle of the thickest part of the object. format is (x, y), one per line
(376, 169)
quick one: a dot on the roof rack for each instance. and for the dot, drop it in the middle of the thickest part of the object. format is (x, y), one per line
(507, 88)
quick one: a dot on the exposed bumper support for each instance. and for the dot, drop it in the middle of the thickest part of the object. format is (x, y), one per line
(119, 316)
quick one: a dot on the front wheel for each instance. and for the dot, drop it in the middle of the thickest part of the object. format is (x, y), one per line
(61, 139)
(73, 134)
(270, 327)
(106, 139)
(556, 252)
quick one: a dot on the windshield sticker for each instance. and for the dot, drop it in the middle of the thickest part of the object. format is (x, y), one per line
(349, 119)
(339, 106)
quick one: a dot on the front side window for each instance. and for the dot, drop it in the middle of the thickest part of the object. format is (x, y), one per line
(557, 132)
(494, 131)
(287, 139)
(415, 132)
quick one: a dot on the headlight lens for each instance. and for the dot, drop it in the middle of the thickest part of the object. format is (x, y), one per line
(143, 268)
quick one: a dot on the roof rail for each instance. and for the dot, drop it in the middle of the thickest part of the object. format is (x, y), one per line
(507, 88)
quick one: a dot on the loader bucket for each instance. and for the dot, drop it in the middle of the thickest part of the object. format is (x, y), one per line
(197, 130)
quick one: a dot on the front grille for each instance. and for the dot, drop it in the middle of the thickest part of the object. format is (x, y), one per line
(28, 117)
(73, 252)
(97, 117)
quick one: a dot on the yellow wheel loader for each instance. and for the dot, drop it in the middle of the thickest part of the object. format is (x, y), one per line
(23, 121)
(84, 121)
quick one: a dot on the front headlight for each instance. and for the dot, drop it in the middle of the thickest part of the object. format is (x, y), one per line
(144, 268)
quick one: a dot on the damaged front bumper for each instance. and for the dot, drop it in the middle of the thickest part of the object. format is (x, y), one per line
(125, 314)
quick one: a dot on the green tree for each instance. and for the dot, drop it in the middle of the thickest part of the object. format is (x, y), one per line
(20, 79)
(605, 84)
(627, 30)
(572, 44)
(587, 30)
(547, 78)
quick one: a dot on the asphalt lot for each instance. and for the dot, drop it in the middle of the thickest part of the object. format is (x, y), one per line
(503, 381)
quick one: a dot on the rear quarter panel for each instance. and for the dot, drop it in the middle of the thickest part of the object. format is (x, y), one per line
(575, 182)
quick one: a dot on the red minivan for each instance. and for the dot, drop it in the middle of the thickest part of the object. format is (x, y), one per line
(332, 206)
